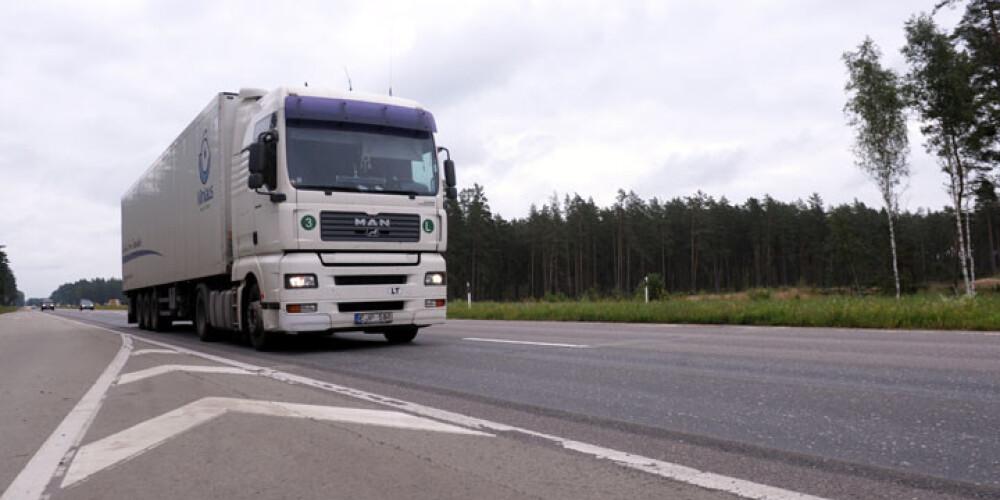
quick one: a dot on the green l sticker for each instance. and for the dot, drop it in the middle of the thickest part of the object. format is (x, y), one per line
(428, 226)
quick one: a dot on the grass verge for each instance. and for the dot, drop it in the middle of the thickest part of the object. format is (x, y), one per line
(926, 312)
(8, 309)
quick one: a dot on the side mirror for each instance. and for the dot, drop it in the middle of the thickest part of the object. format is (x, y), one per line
(257, 158)
(449, 179)
(263, 161)
(255, 181)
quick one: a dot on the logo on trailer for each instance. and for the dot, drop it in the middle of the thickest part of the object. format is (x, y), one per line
(204, 158)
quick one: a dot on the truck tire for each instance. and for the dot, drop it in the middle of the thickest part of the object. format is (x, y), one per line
(141, 305)
(261, 339)
(400, 335)
(202, 325)
(131, 310)
(149, 310)
(157, 322)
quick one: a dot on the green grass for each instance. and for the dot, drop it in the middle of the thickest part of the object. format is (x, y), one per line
(8, 309)
(926, 312)
(111, 308)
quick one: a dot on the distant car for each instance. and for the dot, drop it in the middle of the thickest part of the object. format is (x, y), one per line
(86, 304)
(48, 304)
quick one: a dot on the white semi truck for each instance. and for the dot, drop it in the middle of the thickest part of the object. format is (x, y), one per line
(288, 211)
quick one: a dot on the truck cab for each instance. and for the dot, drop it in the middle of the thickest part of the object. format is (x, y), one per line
(339, 222)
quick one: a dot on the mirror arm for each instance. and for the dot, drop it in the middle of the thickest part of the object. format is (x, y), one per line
(447, 154)
(275, 196)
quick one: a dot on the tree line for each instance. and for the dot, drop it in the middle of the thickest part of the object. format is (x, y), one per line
(98, 290)
(576, 249)
(9, 295)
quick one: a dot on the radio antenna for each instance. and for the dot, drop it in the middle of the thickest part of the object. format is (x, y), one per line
(392, 30)
(350, 86)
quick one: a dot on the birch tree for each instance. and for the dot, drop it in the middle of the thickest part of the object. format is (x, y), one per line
(941, 90)
(877, 111)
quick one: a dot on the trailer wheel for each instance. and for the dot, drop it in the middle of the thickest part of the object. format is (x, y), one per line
(201, 323)
(132, 314)
(141, 305)
(261, 339)
(400, 335)
(137, 304)
(157, 322)
(149, 310)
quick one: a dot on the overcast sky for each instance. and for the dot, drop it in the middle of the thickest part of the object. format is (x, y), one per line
(665, 98)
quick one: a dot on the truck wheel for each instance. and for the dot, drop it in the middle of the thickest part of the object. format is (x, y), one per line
(149, 310)
(141, 305)
(261, 339)
(131, 310)
(400, 335)
(157, 322)
(201, 323)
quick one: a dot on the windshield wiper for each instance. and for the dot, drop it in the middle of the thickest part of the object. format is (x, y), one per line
(359, 189)
(328, 189)
(411, 194)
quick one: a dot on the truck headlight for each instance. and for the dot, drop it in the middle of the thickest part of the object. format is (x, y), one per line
(300, 281)
(434, 279)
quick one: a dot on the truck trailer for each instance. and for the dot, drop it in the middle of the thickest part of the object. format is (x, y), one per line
(292, 211)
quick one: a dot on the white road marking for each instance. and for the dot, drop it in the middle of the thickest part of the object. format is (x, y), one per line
(668, 470)
(141, 352)
(522, 342)
(147, 435)
(30, 483)
(128, 378)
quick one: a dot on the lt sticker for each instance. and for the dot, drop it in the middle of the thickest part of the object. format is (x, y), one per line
(308, 223)
(428, 226)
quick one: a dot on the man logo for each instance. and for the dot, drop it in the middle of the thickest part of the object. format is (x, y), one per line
(371, 222)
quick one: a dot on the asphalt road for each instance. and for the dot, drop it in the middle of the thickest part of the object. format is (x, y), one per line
(826, 412)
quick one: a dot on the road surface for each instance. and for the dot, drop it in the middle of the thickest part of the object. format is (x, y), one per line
(789, 411)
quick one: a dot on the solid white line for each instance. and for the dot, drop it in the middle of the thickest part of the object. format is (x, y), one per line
(31, 482)
(523, 342)
(147, 435)
(676, 472)
(136, 376)
(141, 352)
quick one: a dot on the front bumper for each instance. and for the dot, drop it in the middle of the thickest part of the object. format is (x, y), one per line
(344, 290)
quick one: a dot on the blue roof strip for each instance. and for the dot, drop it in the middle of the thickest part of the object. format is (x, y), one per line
(369, 113)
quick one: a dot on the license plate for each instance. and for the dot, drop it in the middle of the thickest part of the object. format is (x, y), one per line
(380, 318)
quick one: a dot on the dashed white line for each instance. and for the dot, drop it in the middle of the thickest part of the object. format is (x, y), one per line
(524, 342)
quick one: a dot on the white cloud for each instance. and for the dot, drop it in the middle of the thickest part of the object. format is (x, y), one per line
(735, 99)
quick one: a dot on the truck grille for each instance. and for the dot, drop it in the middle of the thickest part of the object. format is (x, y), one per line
(357, 226)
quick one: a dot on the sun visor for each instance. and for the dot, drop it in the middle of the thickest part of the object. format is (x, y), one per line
(369, 113)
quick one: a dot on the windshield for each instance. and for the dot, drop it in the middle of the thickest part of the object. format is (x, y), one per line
(335, 156)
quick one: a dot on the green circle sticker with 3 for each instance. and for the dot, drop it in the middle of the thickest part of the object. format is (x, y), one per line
(308, 223)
